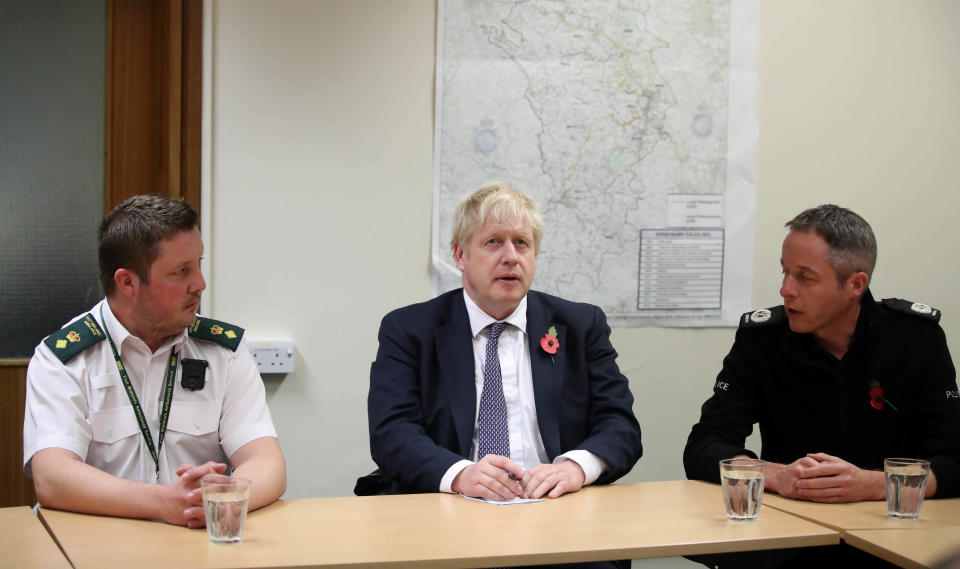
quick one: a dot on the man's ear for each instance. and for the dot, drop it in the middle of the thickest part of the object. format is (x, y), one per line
(127, 282)
(857, 284)
(458, 256)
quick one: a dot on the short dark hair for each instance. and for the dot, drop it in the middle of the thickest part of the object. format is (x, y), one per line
(129, 236)
(853, 246)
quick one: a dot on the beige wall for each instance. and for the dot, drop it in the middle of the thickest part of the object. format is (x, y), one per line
(322, 149)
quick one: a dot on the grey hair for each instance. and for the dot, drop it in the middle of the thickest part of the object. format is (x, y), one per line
(853, 247)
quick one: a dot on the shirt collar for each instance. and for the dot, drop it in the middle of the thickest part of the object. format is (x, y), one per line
(119, 333)
(480, 319)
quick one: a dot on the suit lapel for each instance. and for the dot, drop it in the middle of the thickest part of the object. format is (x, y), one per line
(455, 354)
(547, 371)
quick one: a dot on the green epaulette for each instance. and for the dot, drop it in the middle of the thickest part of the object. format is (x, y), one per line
(763, 317)
(912, 308)
(74, 338)
(223, 333)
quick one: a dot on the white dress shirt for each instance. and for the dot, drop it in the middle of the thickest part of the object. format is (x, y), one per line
(513, 348)
(81, 406)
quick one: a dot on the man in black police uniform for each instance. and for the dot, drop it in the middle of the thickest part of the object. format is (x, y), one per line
(836, 380)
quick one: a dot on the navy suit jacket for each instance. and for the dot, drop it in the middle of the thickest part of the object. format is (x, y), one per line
(422, 401)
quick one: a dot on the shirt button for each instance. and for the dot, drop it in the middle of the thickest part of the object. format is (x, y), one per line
(197, 425)
(109, 433)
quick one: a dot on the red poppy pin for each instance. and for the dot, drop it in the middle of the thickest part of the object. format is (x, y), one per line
(877, 399)
(549, 342)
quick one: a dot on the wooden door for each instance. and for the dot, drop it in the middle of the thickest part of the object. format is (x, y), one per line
(153, 122)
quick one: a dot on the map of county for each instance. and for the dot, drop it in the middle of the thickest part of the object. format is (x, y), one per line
(618, 118)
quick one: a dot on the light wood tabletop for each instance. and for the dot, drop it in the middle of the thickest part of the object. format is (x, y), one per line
(866, 526)
(867, 515)
(25, 543)
(910, 548)
(651, 519)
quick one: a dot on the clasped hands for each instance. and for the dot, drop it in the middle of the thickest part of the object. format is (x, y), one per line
(184, 497)
(498, 478)
(820, 477)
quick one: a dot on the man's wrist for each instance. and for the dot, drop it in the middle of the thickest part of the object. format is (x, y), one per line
(455, 485)
(878, 485)
(772, 478)
(155, 501)
(575, 470)
(451, 475)
(591, 464)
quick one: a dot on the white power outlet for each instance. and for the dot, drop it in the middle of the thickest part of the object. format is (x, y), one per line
(272, 356)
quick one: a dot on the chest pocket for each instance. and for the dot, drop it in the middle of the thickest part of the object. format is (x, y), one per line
(194, 418)
(107, 392)
(112, 425)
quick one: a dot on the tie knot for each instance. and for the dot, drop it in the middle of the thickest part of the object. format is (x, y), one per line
(496, 329)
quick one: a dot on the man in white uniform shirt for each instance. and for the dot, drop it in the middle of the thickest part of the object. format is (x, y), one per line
(494, 390)
(132, 403)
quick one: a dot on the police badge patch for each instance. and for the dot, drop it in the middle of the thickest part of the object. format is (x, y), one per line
(762, 317)
(759, 316)
(912, 308)
(921, 308)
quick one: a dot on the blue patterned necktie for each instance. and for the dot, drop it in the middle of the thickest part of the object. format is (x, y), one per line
(493, 437)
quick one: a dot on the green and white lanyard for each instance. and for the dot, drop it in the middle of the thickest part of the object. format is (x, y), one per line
(135, 402)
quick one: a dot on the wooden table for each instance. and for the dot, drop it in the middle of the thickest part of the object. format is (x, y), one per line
(653, 519)
(866, 526)
(25, 543)
(911, 548)
(867, 515)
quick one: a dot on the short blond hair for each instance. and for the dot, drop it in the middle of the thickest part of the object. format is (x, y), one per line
(496, 201)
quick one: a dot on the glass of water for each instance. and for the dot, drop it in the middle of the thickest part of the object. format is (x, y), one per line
(742, 482)
(906, 480)
(225, 507)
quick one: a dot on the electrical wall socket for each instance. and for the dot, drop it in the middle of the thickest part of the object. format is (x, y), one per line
(272, 356)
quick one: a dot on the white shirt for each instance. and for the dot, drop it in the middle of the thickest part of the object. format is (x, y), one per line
(513, 349)
(81, 406)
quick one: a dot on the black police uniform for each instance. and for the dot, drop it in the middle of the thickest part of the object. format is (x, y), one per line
(806, 400)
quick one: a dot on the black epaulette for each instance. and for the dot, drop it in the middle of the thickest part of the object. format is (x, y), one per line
(912, 308)
(223, 333)
(763, 317)
(74, 338)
